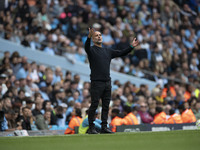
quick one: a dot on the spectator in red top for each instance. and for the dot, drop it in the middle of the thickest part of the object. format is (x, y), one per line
(144, 114)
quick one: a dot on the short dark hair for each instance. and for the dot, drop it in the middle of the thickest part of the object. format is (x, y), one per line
(159, 109)
(171, 111)
(24, 108)
(78, 112)
(181, 107)
(115, 110)
(127, 109)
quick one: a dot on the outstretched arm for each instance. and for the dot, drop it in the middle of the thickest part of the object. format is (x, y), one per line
(119, 53)
(87, 43)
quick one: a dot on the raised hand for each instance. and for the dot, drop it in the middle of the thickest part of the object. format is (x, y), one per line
(135, 42)
(91, 32)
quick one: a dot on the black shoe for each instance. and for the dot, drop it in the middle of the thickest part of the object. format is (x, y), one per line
(92, 131)
(106, 131)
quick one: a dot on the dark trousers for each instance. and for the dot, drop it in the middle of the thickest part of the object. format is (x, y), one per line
(99, 89)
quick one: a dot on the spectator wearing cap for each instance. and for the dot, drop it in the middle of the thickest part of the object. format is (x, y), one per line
(75, 121)
(70, 103)
(43, 89)
(130, 116)
(61, 122)
(116, 120)
(144, 114)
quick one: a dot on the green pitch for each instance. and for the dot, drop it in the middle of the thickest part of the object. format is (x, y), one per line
(171, 140)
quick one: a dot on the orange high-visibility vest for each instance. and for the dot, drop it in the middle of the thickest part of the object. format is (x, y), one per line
(188, 116)
(187, 96)
(159, 118)
(173, 119)
(130, 119)
(74, 122)
(117, 121)
(164, 92)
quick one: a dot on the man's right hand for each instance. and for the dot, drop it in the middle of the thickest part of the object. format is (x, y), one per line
(91, 32)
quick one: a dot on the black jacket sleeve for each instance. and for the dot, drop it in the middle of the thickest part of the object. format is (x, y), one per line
(87, 45)
(119, 53)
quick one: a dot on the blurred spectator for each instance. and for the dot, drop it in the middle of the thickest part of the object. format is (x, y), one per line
(49, 49)
(144, 114)
(116, 121)
(186, 114)
(38, 107)
(160, 116)
(196, 110)
(73, 29)
(26, 119)
(75, 121)
(42, 122)
(130, 116)
(84, 126)
(174, 118)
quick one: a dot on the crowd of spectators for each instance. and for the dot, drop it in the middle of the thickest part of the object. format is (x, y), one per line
(169, 32)
(37, 97)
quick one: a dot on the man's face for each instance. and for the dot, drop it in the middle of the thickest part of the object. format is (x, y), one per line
(26, 112)
(97, 38)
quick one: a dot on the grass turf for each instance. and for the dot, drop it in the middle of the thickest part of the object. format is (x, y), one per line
(170, 140)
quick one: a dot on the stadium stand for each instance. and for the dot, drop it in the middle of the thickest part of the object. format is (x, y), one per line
(51, 66)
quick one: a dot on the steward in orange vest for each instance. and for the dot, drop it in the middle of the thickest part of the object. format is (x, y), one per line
(160, 116)
(186, 114)
(130, 118)
(75, 121)
(174, 118)
(116, 121)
